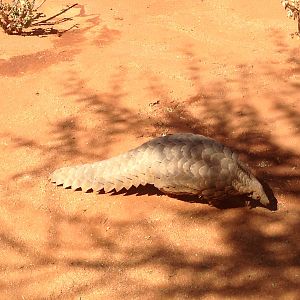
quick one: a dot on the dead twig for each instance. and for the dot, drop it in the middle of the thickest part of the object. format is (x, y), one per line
(21, 14)
(37, 7)
(62, 32)
(60, 13)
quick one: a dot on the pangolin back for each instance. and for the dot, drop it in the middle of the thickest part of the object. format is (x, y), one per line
(181, 163)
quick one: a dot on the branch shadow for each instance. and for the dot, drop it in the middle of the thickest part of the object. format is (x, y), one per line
(253, 253)
(38, 32)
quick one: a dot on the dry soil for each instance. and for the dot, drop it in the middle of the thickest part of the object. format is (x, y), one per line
(129, 71)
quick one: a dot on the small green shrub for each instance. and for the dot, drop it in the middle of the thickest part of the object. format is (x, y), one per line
(17, 15)
(20, 14)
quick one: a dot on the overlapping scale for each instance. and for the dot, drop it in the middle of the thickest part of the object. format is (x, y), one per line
(179, 164)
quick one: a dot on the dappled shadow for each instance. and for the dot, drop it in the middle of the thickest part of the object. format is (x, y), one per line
(19, 65)
(106, 36)
(43, 32)
(242, 128)
(38, 32)
(257, 260)
(65, 47)
(290, 114)
(174, 249)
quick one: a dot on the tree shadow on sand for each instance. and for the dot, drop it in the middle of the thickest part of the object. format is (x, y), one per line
(141, 258)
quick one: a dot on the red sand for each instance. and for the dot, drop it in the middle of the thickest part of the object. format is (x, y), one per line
(130, 71)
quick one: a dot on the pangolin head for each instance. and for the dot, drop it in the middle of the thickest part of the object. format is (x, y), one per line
(258, 192)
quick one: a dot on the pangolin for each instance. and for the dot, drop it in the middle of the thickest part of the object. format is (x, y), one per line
(182, 163)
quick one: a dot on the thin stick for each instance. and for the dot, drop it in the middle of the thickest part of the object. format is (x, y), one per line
(36, 8)
(62, 32)
(60, 13)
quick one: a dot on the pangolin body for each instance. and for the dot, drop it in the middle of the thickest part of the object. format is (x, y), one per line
(181, 163)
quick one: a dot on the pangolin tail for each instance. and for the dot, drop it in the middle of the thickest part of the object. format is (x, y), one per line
(114, 173)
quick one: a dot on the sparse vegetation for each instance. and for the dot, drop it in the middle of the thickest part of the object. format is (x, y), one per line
(292, 8)
(17, 15)
(20, 14)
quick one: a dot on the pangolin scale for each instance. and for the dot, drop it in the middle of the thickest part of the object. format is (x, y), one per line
(182, 163)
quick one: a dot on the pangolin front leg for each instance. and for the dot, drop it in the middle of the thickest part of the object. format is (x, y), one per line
(181, 163)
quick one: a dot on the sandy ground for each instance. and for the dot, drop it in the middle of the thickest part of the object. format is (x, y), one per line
(132, 70)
